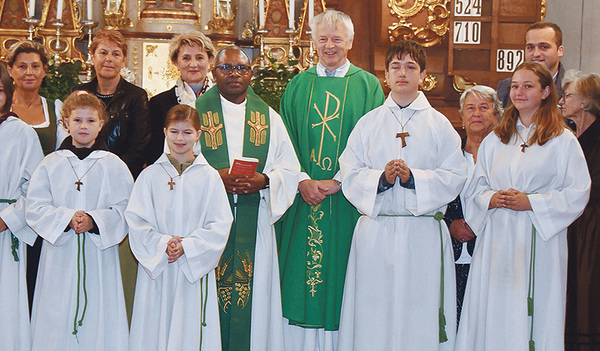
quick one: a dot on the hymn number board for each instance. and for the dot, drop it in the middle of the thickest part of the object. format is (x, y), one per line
(487, 37)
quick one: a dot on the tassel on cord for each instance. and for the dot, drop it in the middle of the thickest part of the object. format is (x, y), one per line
(531, 289)
(80, 258)
(442, 317)
(203, 300)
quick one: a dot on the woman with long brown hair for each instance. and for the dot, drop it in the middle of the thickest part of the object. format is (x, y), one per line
(530, 182)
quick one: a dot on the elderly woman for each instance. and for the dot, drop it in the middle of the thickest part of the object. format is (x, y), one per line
(127, 131)
(192, 53)
(529, 184)
(480, 109)
(581, 103)
(27, 62)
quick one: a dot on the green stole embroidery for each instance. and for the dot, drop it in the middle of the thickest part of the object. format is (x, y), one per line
(327, 101)
(235, 270)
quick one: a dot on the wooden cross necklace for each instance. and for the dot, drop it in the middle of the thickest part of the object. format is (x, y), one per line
(79, 183)
(524, 144)
(402, 134)
(171, 182)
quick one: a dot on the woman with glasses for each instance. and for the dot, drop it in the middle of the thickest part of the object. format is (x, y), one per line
(192, 53)
(581, 103)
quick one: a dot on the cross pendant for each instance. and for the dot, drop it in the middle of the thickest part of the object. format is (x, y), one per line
(78, 183)
(523, 146)
(402, 135)
(171, 183)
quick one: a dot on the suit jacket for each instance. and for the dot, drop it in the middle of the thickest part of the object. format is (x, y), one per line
(159, 105)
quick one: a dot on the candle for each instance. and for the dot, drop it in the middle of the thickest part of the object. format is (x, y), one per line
(261, 13)
(311, 9)
(228, 7)
(118, 3)
(291, 14)
(59, 9)
(31, 8)
(108, 5)
(89, 4)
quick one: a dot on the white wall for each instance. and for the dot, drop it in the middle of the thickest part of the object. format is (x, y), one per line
(578, 20)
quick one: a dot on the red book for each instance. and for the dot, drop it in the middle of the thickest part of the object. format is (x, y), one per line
(244, 166)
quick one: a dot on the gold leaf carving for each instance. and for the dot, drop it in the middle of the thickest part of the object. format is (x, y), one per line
(431, 32)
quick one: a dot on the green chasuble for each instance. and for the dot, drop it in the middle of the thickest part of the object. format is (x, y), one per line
(314, 241)
(235, 270)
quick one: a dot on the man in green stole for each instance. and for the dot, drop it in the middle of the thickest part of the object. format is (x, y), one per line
(320, 108)
(237, 123)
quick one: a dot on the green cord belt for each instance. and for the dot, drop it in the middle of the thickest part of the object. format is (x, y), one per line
(442, 317)
(14, 242)
(531, 288)
(80, 259)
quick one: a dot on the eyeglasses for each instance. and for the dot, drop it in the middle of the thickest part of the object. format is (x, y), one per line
(566, 95)
(228, 69)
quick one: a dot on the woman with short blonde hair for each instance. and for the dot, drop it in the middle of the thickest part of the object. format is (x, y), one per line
(193, 54)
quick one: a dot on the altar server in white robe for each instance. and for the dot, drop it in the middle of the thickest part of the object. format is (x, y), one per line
(20, 153)
(401, 166)
(530, 182)
(179, 220)
(76, 202)
(248, 273)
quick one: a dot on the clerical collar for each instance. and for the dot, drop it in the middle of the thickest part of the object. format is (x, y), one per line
(338, 72)
(410, 103)
(81, 152)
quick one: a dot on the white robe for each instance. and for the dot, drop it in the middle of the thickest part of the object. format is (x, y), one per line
(494, 315)
(392, 292)
(171, 298)
(52, 199)
(20, 153)
(282, 168)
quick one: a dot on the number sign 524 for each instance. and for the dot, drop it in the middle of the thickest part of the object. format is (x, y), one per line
(467, 8)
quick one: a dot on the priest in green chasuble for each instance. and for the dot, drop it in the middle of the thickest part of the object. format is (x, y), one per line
(320, 108)
(236, 123)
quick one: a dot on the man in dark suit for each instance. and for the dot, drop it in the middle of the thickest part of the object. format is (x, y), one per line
(543, 44)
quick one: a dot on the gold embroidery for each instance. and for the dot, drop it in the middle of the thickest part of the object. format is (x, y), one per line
(245, 277)
(258, 133)
(325, 117)
(214, 138)
(315, 253)
(224, 284)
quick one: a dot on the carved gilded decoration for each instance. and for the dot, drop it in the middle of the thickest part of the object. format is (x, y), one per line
(15, 29)
(158, 72)
(428, 32)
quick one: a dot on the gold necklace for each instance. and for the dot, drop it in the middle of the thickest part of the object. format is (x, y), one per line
(79, 183)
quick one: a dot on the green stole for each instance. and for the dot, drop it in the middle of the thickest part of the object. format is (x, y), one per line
(235, 270)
